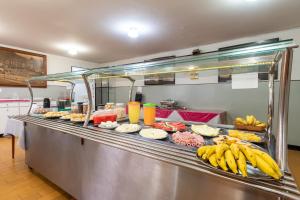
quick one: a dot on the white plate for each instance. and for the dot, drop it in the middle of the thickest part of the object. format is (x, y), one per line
(128, 128)
(112, 126)
(153, 133)
(64, 118)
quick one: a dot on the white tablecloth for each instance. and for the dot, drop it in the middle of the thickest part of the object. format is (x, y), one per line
(16, 128)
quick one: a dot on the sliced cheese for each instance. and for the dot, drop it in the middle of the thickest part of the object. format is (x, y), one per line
(153, 133)
(205, 130)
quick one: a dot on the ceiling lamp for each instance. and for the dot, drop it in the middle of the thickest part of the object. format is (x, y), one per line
(72, 48)
(133, 32)
(132, 29)
(241, 1)
(73, 52)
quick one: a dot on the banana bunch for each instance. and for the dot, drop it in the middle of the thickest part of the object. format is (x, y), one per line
(234, 156)
(251, 137)
(249, 121)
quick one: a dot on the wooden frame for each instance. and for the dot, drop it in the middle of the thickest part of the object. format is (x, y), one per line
(17, 58)
(160, 79)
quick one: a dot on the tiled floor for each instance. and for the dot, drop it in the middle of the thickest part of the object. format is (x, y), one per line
(17, 182)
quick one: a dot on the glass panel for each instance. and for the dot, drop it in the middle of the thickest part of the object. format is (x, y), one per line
(76, 75)
(250, 58)
(247, 59)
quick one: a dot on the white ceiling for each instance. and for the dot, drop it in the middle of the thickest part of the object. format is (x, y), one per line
(43, 25)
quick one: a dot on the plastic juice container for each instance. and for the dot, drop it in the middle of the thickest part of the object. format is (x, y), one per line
(149, 113)
(134, 112)
(111, 117)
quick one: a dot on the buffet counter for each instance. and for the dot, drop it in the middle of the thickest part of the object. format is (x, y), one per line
(92, 163)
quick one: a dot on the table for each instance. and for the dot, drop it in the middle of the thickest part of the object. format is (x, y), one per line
(205, 116)
(15, 128)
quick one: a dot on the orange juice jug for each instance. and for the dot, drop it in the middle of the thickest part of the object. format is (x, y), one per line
(149, 113)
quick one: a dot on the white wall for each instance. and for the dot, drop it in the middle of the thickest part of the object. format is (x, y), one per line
(287, 34)
(59, 64)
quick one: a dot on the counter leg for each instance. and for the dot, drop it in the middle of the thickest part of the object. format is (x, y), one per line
(13, 139)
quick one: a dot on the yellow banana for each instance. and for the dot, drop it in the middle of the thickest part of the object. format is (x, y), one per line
(249, 154)
(213, 160)
(244, 135)
(261, 125)
(231, 161)
(253, 119)
(201, 150)
(248, 120)
(266, 168)
(240, 121)
(242, 165)
(257, 122)
(235, 150)
(210, 150)
(220, 149)
(222, 163)
(267, 158)
(204, 156)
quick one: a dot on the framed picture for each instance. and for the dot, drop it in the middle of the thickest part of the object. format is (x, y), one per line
(160, 79)
(262, 71)
(16, 66)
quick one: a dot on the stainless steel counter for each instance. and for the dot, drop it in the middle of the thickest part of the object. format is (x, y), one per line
(111, 166)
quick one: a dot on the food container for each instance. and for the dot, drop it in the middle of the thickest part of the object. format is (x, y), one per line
(46, 103)
(80, 107)
(61, 104)
(85, 108)
(109, 106)
(120, 110)
(40, 110)
(169, 103)
(74, 108)
(149, 113)
(249, 128)
(134, 112)
(68, 102)
(104, 116)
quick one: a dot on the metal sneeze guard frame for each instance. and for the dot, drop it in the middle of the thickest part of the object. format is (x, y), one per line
(67, 77)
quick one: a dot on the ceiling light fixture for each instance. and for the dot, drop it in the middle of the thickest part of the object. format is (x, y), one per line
(73, 52)
(133, 29)
(72, 49)
(133, 32)
(242, 1)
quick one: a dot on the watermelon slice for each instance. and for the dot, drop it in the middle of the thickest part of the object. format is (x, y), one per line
(170, 126)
